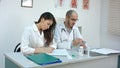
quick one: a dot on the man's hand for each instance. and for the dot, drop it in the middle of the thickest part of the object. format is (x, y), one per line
(49, 49)
(80, 42)
(77, 41)
(83, 44)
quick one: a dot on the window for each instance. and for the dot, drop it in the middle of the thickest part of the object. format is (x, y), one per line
(114, 17)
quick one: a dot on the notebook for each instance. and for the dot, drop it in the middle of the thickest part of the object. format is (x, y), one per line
(43, 59)
(60, 52)
(106, 51)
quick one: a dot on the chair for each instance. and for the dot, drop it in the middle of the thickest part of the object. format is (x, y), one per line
(17, 48)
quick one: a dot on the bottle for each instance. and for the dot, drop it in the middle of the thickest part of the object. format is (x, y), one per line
(81, 51)
(87, 51)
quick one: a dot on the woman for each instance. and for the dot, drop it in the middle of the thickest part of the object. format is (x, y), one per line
(38, 38)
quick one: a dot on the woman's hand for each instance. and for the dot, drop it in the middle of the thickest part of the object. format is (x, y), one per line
(49, 49)
(43, 50)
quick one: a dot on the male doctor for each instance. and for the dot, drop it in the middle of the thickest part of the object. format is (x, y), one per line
(67, 35)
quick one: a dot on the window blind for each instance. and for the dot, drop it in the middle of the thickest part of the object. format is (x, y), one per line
(114, 17)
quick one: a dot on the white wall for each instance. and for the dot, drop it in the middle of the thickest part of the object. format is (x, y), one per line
(107, 40)
(90, 22)
(13, 19)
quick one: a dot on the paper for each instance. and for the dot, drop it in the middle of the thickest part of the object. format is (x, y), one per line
(61, 52)
(105, 51)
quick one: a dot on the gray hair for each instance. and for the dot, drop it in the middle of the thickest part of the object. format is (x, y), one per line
(69, 12)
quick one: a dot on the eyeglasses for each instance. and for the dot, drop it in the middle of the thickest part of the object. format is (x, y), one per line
(73, 19)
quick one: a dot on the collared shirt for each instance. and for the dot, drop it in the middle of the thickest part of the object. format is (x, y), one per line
(63, 38)
(32, 39)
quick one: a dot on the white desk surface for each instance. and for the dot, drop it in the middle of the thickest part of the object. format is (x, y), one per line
(20, 60)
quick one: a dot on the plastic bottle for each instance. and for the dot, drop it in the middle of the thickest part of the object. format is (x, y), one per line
(81, 51)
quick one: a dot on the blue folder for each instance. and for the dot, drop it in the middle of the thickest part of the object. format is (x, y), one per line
(43, 59)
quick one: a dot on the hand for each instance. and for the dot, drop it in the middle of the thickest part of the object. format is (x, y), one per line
(84, 46)
(49, 49)
(44, 50)
(77, 41)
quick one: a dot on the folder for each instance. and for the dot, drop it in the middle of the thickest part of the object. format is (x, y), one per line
(43, 59)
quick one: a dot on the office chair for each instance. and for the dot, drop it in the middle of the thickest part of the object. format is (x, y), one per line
(17, 48)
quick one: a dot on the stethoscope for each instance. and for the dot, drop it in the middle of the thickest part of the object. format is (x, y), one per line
(63, 30)
(61, 38)
(66, 39)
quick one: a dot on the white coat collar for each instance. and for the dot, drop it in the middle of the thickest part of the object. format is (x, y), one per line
(35, 28)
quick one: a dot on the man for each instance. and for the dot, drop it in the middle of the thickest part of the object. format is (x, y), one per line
(67, 34)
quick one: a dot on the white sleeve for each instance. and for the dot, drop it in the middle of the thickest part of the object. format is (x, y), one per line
(78, 34)
(25, 43)
(54, 44)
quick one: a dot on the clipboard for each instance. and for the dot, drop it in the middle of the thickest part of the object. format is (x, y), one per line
(43, 59)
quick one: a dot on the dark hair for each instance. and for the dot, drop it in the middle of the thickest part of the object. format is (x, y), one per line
(48, 34)
(69, 12)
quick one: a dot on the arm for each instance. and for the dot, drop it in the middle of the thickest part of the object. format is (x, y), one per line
(46, 49)
(78, 39)
(25, 42)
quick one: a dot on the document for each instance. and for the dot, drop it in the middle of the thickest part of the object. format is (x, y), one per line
(60, 52)
(43, 59)
(105, 51)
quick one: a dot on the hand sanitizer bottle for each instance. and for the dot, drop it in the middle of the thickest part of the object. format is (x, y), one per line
(81, 51)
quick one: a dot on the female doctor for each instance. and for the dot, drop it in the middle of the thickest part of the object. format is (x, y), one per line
(39, 37)
(67, 34)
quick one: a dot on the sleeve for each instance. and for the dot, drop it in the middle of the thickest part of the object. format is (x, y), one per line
(78, 35)
(25, 42)
(54, 44)
(61, 44)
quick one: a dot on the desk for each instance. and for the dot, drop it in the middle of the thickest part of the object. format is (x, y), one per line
(18, 60)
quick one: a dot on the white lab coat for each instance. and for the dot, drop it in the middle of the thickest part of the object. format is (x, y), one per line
(32, 39)
(63, 38)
